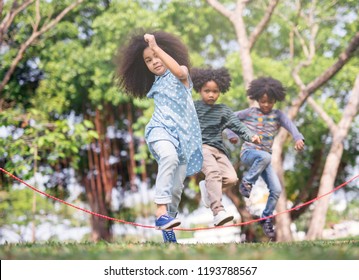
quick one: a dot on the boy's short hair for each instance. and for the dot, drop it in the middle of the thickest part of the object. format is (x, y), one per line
(220, 76)
(266, 85)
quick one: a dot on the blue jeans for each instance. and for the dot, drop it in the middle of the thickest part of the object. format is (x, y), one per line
(259, 163)
(170, 176)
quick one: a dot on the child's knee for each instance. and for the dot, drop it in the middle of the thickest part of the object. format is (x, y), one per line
(170, 160)
(231, 181)
(276, 192)
(266, 158)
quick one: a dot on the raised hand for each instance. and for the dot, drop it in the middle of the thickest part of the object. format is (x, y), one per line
(150, 39)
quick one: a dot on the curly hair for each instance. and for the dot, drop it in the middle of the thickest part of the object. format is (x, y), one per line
(132, 72)
(220, 76)
(266, 85)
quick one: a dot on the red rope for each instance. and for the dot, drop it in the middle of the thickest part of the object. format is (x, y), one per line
(182, 229)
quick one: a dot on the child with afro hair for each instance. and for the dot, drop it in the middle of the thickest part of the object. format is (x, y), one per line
(155, 65)
(214, 118)
(266, 122)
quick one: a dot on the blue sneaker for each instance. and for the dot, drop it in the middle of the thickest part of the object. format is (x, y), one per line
(169, 236)
(166, 222)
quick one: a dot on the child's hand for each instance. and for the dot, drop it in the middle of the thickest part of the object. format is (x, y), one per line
(256, 139)
(233, 140)
(299, 145)
(150, 39)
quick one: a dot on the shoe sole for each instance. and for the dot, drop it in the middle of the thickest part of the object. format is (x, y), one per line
(169, 225)
(226, 220)
(204, 191)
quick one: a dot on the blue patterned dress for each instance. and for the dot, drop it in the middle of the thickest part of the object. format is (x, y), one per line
(175, 119)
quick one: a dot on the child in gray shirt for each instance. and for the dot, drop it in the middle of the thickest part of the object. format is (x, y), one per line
(265, 122)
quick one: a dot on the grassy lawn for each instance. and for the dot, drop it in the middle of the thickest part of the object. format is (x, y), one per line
(346, 249)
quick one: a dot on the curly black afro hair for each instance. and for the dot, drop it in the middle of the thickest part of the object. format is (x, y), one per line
(220, 76)
(266, 85)
(132, 72)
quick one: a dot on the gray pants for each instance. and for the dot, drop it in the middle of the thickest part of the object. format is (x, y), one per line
(170, 176)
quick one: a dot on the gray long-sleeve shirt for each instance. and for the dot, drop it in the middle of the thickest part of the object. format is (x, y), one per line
(266, 126)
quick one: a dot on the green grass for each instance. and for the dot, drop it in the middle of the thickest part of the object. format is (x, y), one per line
(304, 250)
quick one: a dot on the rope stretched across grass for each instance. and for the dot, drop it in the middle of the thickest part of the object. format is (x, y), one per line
(181, 229)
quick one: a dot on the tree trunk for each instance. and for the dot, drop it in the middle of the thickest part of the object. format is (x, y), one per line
(284, 219)
(131, 148)
(326, 184)
(101, 229)
(332, 163)
(144, 177)
(98, 182)
(308, 193)
(248, 230)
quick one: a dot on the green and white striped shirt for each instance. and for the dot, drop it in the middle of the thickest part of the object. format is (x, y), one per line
(213, 119)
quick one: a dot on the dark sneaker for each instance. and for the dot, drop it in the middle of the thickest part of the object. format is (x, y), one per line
(245, 189)
(166, 222)
(268, 229)
(169, 236)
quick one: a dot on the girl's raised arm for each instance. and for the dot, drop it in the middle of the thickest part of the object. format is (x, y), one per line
(180, 71)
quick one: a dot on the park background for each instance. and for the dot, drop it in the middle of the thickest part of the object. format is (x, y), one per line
(66, 129)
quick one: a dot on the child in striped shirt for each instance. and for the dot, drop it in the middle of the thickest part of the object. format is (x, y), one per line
(266, 122)
(214, 118)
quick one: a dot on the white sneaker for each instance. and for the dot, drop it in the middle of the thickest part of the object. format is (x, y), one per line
(204, 194)
(221, 218)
